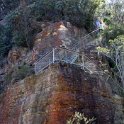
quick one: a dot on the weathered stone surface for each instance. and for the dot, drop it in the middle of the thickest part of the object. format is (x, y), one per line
(53, 35)
(14, 55)
(54, 95)
(59, 34)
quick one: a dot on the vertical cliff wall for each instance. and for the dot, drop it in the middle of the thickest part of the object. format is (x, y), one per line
(53, 96)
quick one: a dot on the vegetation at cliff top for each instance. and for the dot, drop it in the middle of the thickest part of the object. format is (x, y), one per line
(113, 36)
(19, 29)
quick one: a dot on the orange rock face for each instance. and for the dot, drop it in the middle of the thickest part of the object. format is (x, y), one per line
(55, 35)
(53, 96)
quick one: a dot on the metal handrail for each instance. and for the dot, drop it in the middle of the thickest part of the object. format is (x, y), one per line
(70, 53)
(76, 44)
(67, 56)
(44, 56)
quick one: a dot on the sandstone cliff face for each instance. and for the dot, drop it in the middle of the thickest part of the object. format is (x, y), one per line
(59, 34)
(54, 95)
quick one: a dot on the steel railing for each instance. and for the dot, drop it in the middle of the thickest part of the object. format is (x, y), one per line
(70, 55)
(62, 54)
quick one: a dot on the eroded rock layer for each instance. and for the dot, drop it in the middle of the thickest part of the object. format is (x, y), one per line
(53, 96)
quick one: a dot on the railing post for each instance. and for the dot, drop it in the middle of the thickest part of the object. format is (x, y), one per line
(53, 55)
(35, 68)
(83, 61)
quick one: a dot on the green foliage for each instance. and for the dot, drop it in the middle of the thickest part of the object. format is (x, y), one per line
(112, 14)
(113, 36)
(78, 12)
(18, 73)
(22, 30)
(8, 78)
(79, 118)
(23, 71)
(19, 21)
(7, 6)
(116, 46)
(103, 50)
(5, 35)
(112, 32)
(2, 44)
(19, 39)
(118, 41)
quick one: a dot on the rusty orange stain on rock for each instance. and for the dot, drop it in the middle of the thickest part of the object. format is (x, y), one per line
(38, 101)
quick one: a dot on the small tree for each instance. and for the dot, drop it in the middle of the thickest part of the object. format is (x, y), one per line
(117, 55)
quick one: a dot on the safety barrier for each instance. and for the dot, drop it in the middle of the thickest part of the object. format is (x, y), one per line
(61, 54)
(70, 55)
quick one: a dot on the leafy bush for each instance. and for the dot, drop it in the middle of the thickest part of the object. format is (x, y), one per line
(5, 37)
(18, 73)
(103, 50)
(19, 39)
(79, 13)
(7, 6)
(8, 78)
(19, 21)
(23, 71)
(112, 32)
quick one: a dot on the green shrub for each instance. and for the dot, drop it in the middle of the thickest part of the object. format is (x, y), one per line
(18, 73)
(112, 32)
(19, 39)
(80, 118)
(19, 21)
(8, 78)
(79, 13)
(21, 27)
(5, 37)
(23, 71)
